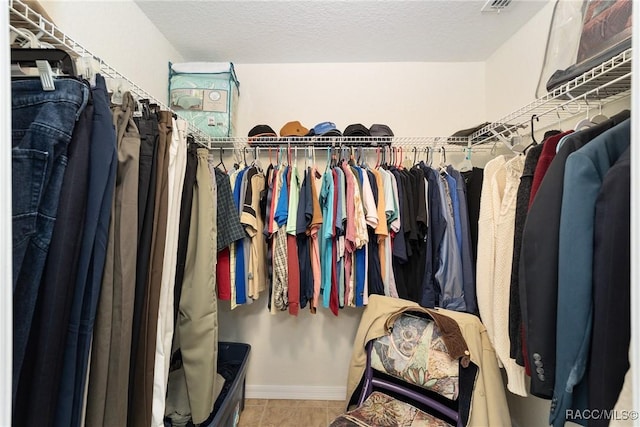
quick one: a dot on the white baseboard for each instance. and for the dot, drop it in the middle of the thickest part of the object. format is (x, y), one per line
(299, 392)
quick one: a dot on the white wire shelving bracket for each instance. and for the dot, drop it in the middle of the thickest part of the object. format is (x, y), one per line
(23, 16)
(603, 84)
(608, 82)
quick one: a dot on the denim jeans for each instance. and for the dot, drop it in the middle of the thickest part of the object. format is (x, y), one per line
(42, 126)
(102, 162)
(39, 381)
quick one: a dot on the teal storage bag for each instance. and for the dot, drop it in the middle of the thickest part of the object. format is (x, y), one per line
(205, 94)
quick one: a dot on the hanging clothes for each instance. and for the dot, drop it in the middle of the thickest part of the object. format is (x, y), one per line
(280, 262)
(165, 329)
(522, 207)
(539, 261)
(315, 234)
(304, 216)
(42, 365)
(473, 180)
(194, 385)
(449, 271)
(583, 176)
(145, 357)
(229, 231)
(32, 111)
(252, 220)
(431, 289)
(149, 130)
(468, 277)
(102, 174)
(107, 399)
(608, 358)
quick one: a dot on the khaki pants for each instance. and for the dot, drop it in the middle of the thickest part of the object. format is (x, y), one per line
(194, 387)
(111, 347)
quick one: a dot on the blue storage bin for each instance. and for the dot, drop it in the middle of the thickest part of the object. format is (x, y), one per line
(233, 360)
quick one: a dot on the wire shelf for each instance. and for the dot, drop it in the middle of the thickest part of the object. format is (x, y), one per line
(23, 16)
(605, 83)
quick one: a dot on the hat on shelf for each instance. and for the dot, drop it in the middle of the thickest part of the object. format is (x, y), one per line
(325, 129)
(380, 130)
(262, 131)
(294, 128)
(356, 129)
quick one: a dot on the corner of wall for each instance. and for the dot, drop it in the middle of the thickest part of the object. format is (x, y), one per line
(121, 34)
(513, 70)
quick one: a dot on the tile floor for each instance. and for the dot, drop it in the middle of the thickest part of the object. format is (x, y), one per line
(289, 413)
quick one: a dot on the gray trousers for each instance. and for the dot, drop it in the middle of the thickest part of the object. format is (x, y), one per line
(111, 346)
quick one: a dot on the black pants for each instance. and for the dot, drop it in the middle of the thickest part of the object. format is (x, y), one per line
(376, 285)
(185, 222)
(148, 128)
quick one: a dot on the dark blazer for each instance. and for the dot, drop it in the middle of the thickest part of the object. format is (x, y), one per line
(522, 207)
(584, 172)
(539, 262)
(609, 359)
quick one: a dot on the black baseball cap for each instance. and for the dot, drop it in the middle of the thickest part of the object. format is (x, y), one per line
(380, 130)
(262, 131)
(356, 129)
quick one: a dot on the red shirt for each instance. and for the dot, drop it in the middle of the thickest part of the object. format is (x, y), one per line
(293, 267)
(223, 275)
(547, 155)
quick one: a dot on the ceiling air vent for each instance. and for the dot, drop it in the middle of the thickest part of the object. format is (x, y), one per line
(495, 5)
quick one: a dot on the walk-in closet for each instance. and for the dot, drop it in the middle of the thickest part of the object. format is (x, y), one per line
(320, 213)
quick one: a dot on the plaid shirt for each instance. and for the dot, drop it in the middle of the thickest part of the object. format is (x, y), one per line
(280, 270)
(228, 222)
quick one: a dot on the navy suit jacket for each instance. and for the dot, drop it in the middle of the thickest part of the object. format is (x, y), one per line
(609, 359)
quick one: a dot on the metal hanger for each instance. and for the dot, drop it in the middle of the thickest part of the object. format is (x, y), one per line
(586, 122)
(533, 134)
(221, 163)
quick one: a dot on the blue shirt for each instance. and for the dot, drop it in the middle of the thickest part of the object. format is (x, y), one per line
(241, 294)
(340, 217)
(282, 208)
(455, 202)
(326, 204)
(361, 256)
(449, 272)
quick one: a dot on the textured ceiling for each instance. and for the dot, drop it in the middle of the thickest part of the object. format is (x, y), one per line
(336, 31)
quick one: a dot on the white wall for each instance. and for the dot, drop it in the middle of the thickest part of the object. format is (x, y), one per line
(120, 34)
(308, 356)
(414, 99)
(512, 72)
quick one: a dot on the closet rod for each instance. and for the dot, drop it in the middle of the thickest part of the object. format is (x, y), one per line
(324, 142)
(23, 16)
